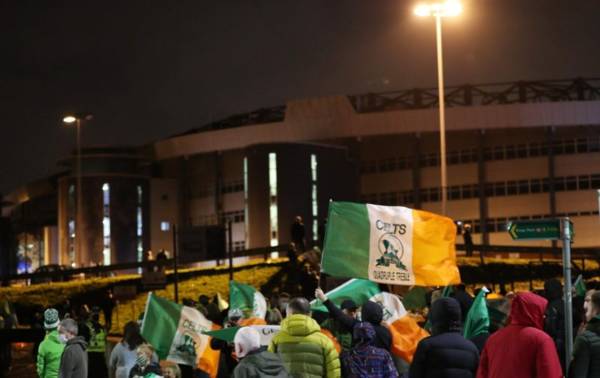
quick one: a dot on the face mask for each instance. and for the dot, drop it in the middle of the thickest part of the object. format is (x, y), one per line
(141, 360)
(62, 338)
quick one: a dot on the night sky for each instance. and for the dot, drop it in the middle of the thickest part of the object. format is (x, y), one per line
(149, 69)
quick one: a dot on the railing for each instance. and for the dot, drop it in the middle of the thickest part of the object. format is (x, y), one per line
(579, 89)
(485, 94)
(102, 269)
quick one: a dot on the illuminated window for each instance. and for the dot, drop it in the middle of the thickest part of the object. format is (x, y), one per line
(246, 233)
(106, 223)
(165, 226)
(273, 199)
(314, 199)
(140, 226)
(71, 224)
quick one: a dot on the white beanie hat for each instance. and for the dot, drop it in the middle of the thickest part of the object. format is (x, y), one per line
(246, 340)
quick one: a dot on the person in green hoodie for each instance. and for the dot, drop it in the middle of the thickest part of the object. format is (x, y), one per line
(51, 349)
(586, 352)
(306, 352)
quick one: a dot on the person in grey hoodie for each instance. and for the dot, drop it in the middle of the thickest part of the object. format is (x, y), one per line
(74, 361)
(255, 360)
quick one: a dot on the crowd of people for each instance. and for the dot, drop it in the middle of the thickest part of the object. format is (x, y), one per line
(348, 341)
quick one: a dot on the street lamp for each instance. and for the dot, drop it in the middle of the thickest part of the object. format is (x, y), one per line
(77, 120)
(448, 8)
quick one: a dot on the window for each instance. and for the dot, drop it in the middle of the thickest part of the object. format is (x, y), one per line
(500, 189)
(106, 251)
(536, 186)
(72, 210)
(165, 226)
(454, 193)
(511, 188)
(140, 225)
(403, 162)
(545, 185)
(584, 182)
(559, 184)
(453, 157)
(593, 144)
(246, 226)
(523, 187)
(467, 191)
(487, 154)
(558, 147)
(570, 147)
(571, 183)
(314, 199)
(522, 151)
(510, 152)
(388, 165)
(273, 210)
(582, 145)
(534, 149)
(595, 181)
(499, 153)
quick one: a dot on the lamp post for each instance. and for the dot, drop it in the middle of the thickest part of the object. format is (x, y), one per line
(77, 120)
(449, 8)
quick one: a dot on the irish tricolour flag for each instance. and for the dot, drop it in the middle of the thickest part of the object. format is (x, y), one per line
(405, 331)
(390, 244)
(249, 301)
(175, 331)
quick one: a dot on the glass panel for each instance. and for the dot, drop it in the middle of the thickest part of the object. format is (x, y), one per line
(106, 251)
(273, 210)
(584, 182)
(246, 226)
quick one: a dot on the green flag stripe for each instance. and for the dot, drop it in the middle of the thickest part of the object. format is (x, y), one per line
(241, 296)
(346, 250)
(161, 321)
(478, 318)
(226, 334)
(358, 290)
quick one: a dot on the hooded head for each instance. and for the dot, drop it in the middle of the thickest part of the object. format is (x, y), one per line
(246, 340)
(371, 312)
(528, 310)
(363, 333)
(445, 316)
(553, 289)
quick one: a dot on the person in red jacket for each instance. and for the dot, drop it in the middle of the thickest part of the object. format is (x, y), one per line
(522, 349)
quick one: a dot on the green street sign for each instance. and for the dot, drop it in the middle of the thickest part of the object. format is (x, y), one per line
(543, 229)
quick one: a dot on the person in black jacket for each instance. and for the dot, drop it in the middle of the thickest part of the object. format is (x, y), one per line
(554, 322)
(445, 354)
(370, 312)
(586, 352)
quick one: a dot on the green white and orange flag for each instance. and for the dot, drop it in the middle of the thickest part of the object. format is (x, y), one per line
(390, 244)
(175, 331)
(405, 331)
(249, 301)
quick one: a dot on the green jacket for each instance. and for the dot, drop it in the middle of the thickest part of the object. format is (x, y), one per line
(305, 351)
(49, 353)
(586, 352)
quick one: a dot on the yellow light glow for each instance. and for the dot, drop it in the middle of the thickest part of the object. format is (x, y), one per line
(422, 10)
(452, 8)
(448, 8)
(69, 119)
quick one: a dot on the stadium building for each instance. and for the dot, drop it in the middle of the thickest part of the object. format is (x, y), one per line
(523, 150)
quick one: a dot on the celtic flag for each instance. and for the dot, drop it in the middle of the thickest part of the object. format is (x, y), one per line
(390, 244)
(175, 331)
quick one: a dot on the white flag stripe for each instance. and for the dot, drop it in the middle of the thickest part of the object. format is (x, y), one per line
(391, 244)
